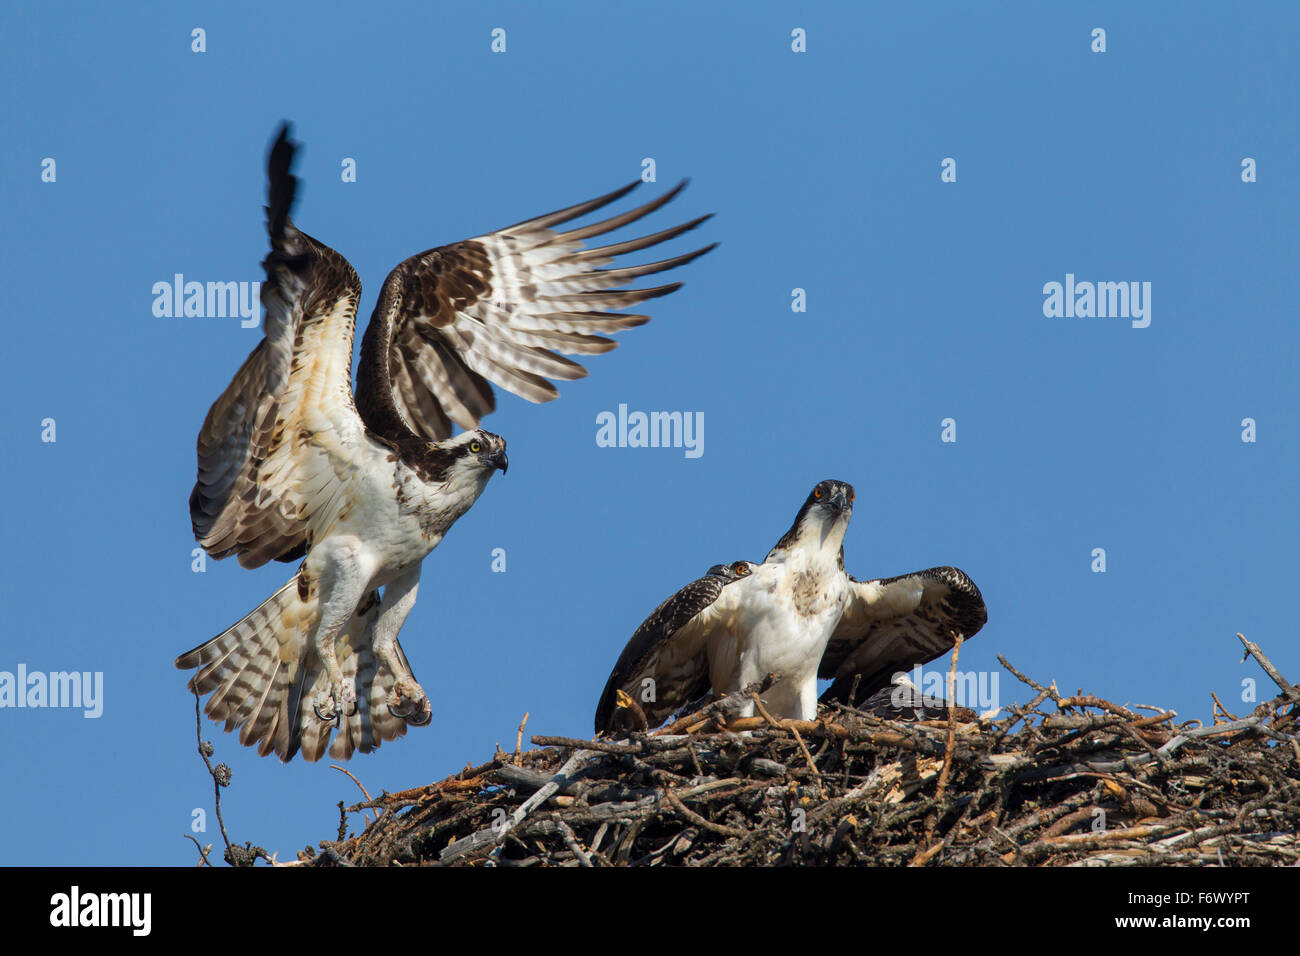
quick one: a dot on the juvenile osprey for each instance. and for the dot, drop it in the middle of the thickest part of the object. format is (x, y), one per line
(289, 465)
(796, 615)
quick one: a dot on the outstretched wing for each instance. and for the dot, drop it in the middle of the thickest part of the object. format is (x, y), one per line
(891, 625)
(670, 648)
(498, 309)
(263, 470)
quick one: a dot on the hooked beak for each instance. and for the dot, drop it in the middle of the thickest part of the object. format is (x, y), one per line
(839, 502)
(497, 459)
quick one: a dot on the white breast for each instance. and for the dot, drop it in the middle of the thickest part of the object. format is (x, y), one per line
(395, 518)
(784, 615)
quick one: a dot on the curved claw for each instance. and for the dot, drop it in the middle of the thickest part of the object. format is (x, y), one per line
(416, 716)
(336, 714)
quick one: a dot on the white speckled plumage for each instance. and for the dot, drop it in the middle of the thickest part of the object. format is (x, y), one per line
(292, 464)
(797, 616)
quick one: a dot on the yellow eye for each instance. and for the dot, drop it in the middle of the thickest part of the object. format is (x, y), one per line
(475, 447)
(852, 495)
(817, 492)
(741, 568)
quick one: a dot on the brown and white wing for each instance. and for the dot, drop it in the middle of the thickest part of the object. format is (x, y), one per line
(665, 664)
(265, 449)
(499, 309)
(893, 624)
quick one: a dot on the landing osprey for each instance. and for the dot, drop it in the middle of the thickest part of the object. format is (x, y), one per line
(290, 466)
(797, 615)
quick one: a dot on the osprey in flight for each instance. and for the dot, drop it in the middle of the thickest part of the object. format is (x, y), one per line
(797, 615)
(291, 465)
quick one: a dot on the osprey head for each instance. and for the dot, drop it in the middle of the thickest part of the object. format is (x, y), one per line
(822, 519)
(732, 572)
(832, 498)
(483, 448)
(473, 454)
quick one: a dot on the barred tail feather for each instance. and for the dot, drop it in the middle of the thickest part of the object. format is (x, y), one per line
(256, 668)
(372, 722)
(264, 676)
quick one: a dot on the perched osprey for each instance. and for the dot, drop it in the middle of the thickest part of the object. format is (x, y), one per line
(290, 466)
(797, 615)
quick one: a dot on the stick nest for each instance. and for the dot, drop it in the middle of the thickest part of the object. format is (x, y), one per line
(1061, 781)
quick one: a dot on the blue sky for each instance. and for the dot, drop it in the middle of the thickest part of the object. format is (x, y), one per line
(924, 302)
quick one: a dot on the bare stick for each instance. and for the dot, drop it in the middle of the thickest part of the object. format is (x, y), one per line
(698, 820)
(205, 750)
(772, 721)
(519, 741)
(1219, 708)
(952, 719)
(369, 799)
(570, 838)
(495, 834)
(203, 851)
(1253, 650)
(1048, 691)
(922, 857)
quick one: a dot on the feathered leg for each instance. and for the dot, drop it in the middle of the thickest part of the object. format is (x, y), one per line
(407, 699)
(337, 571)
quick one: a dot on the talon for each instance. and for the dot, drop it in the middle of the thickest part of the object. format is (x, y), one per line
(349, 705)
(327, 707)
(409, 703)
(416, 714)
